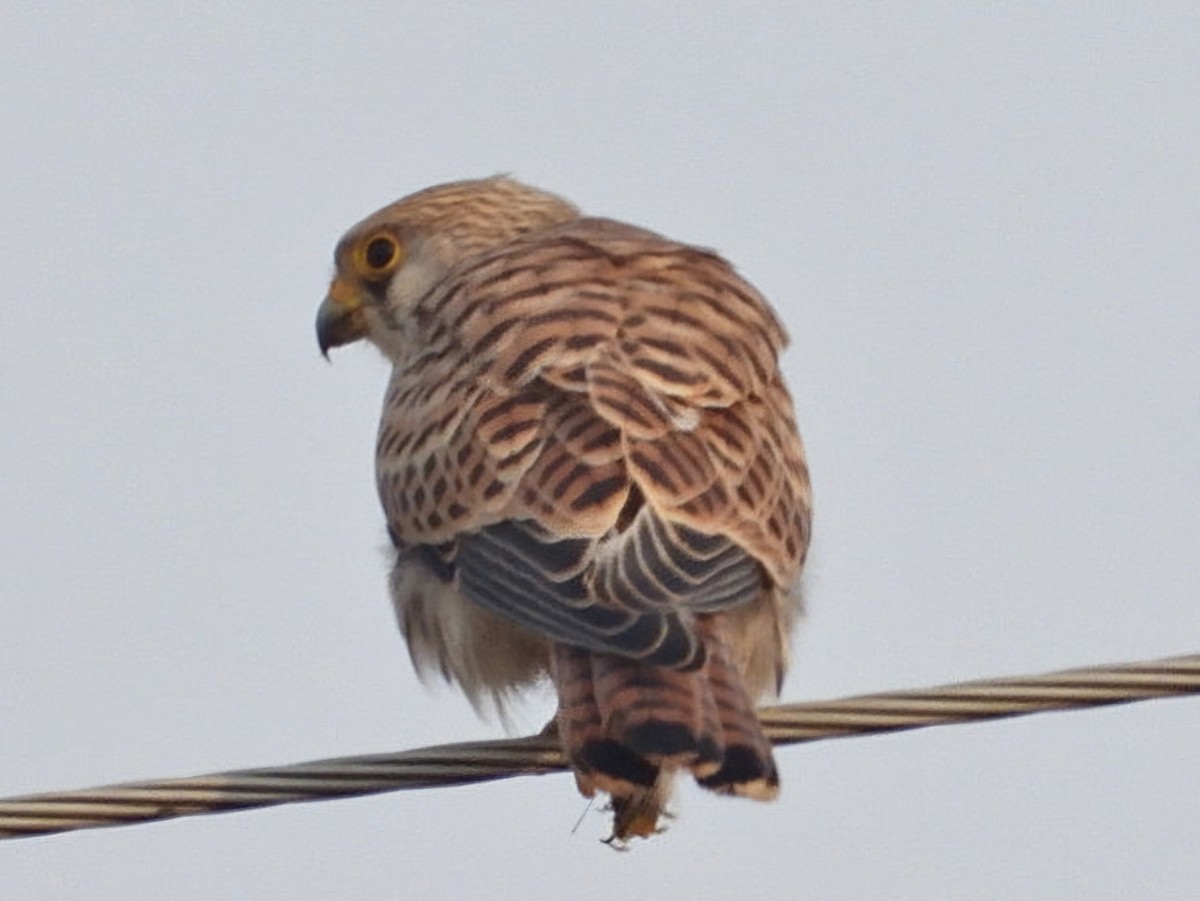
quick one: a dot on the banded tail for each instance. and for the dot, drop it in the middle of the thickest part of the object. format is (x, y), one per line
(627, 727)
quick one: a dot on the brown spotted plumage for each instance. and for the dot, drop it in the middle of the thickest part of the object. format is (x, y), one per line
(590, 469)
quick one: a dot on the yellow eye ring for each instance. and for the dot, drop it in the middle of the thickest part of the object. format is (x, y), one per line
(378, 255)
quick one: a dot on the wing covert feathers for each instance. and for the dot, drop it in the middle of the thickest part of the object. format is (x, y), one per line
(567, 367)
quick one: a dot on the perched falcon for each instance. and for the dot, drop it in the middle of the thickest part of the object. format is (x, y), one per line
(590, 470)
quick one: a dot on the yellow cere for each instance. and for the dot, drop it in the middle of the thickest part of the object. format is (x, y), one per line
(345, 292)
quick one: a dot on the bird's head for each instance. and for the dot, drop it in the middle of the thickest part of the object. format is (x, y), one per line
(391, 259)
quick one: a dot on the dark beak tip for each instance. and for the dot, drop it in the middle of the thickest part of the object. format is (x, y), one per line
(337, 325)
(328, 333)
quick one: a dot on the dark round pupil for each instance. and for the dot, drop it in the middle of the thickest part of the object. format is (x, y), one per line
(380, 252)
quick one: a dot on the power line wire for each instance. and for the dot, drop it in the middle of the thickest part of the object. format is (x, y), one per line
(458, 764)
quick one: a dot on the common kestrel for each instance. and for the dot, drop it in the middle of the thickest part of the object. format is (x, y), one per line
(590, 469)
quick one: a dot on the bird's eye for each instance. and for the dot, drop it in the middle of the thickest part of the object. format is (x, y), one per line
(380, 252)
(380, 255)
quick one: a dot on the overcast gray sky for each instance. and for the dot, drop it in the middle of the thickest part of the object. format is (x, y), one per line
(980, 224)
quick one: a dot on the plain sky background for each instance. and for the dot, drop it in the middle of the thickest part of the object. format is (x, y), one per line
(981, 225)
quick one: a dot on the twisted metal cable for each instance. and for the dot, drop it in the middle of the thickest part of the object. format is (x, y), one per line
(458, 764)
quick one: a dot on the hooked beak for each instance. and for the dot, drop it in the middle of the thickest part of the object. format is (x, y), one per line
(340, 318)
